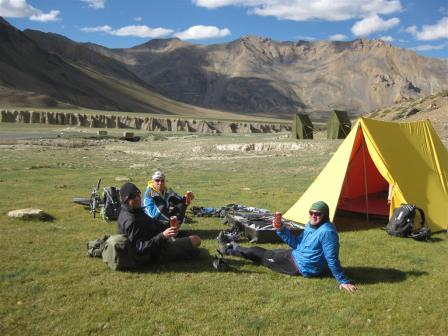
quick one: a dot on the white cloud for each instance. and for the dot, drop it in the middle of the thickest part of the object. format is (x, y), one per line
(338, 37)
(16, 8)
(141, 31)
(202, 32)
(136, 31)
(305, 10)
(20, 9)
(212, 4)
(137, 19)
(411, 30)
(42, 17)
(104, 29)
(373, 24)
(306, 38)
(431, 32)
(387, 38)
(427, 47)
(97, 4)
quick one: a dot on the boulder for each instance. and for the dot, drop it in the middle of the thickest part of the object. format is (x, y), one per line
(29, 213)
(123, 179)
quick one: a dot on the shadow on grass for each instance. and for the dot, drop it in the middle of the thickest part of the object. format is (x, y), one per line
(358, 223)
(374, 275)
(201, 264)
(204, 234)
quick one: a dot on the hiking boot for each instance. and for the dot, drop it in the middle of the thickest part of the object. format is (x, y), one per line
(225, 243)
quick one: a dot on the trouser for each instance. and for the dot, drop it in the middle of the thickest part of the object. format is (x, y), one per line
(178, 211)
(279, 260)
(178, 249)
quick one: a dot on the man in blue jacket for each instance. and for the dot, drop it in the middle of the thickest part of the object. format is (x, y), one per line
(161, 202)
(314, 251)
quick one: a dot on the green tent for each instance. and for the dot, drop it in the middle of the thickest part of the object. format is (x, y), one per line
(338, 125)
(302, 127)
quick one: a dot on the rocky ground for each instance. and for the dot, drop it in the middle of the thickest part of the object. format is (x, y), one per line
(434, 108)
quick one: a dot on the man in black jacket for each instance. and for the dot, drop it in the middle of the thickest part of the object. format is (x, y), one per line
(150, 239)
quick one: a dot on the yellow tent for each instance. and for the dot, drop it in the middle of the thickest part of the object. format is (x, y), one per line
(376, 154)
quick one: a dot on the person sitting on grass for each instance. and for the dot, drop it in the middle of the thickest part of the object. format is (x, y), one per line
(161, 202)
(314, 250)
(150, 239)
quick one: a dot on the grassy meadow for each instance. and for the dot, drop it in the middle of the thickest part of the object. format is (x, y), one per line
(49, 286)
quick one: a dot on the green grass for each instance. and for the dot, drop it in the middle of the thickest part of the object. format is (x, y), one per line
(50, 287)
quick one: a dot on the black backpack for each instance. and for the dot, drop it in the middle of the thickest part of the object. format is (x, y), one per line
(401, 223)
(111, 201)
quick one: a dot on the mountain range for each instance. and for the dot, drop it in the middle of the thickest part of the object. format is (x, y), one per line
(249, 76)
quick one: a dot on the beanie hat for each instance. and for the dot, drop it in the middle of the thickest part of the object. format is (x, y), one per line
(128, 191)
(322, 207)
(158, 174)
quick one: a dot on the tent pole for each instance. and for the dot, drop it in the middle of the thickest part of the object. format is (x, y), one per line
(365, 177)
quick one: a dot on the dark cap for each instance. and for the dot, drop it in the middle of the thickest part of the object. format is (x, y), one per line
(128, 191)
(322, 207)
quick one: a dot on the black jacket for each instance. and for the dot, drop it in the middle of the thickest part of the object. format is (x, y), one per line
(143, 232)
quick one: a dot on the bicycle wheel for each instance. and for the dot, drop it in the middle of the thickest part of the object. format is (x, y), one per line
(81, 200)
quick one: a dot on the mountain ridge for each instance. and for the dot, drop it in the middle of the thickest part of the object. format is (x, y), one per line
(256, 74)
(251, 75)
(49, 70)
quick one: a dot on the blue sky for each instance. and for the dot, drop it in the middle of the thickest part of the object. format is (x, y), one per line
(418, 25)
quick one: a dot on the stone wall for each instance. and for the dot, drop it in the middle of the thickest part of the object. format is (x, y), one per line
(139, 123)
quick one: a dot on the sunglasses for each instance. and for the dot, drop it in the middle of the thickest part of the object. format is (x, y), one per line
(315, 213)
(159, 180)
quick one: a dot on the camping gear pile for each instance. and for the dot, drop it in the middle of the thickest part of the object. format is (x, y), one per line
(253, 223)
(257, 227)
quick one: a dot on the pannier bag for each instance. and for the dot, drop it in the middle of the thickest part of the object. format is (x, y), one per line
(118, 254)
(111, 201)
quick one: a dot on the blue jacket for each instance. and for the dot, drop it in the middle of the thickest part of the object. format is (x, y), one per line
(316, 250)
(157, 205)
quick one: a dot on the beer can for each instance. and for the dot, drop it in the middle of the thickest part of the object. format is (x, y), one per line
(277, 219)
(173, 221)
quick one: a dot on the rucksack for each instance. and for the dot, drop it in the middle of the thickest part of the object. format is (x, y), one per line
(118, 254)
(111, 201)
(401, 223)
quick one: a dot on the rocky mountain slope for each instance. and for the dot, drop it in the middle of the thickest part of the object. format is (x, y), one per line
(432, 107)
(258, 75)
(48, 70)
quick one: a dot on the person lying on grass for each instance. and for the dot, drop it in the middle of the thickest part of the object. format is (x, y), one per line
(161, 202)
(150, 239)
(314, 250)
